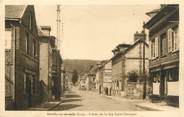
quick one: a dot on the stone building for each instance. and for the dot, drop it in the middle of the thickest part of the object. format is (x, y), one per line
(21, 57)
(56, 74)
(99, 77)
(164, 61)
(50, 65)
(107, 77)
(46, 43)
(128, 58)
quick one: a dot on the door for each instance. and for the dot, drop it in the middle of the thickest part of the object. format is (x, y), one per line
(163, 84)
(28, 90)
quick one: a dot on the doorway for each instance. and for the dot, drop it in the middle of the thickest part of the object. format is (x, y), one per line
(28, 90)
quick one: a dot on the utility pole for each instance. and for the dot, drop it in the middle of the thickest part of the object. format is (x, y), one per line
(58, 27)
(144, 72)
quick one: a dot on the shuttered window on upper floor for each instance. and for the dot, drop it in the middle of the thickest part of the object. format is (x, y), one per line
(173, 39)
(163, 45)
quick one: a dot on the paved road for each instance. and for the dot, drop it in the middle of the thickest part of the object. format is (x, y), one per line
(77, 100)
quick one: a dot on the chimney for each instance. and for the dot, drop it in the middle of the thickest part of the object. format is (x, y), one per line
(138, 36)
(45, 30)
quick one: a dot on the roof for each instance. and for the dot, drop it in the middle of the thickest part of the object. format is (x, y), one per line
(121, 45)
(14, 11)
(165, 10)
(129, 48)
(153, 11)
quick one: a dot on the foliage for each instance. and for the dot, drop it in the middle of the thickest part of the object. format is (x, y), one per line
(132, 76)
(74, 76)
(82, 66)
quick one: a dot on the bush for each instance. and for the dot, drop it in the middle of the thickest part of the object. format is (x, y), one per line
(132, 76)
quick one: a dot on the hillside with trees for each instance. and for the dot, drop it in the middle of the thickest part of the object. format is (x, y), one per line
(80, 65)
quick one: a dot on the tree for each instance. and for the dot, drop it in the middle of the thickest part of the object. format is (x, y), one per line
(74, 76)
(132, 76)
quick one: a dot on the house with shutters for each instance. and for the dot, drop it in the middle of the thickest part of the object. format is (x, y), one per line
(21, 57)
(163, 29)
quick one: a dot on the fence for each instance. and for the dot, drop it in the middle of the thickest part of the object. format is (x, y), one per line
(134, 90)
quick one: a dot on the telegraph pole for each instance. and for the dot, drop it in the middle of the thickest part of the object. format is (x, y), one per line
(144, 72)
(58, 27)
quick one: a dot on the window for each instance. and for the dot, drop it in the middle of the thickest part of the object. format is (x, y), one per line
(30, 21)
(156, 77)
(34, 48)
(173, 74)
(27, 43)
(173, 39)
(176, 38)
(153, 49)
(163, 45)
(25, 77)
(156, 47)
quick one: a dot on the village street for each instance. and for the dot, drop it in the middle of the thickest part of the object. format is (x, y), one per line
(78, 100)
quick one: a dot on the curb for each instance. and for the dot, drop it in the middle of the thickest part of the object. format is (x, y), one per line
(147, 108)
(55, 106)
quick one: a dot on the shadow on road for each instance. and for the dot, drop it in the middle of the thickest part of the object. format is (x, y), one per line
(70, 100)
(66, 106)
(71, 96)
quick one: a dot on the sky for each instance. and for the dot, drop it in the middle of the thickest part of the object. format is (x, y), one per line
(93, 31)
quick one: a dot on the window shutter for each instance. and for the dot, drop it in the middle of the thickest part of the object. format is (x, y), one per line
(156, 47)
(150, 49)
(176, 39)
(169, 37)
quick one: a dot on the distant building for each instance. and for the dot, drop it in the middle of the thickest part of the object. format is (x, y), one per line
(99, 77)
(82, 82)
(128, 58)
(21, 57)
(164, 61)
(107, 77)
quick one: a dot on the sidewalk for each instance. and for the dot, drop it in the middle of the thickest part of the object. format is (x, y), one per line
(45, 106)
(145, 104)
(156, 106)
(124, 99)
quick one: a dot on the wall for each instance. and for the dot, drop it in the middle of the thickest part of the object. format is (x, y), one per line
(25, 62)
(134, 90)
(44, 62)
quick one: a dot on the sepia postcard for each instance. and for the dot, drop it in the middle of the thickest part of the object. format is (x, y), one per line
(89, 58)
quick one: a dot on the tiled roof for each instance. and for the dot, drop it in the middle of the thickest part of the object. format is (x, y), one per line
(14, 11)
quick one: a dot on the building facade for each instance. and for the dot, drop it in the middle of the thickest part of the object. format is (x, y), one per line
(45, 61)
(21, 56)
(164, 59)
(99, 77)
(107, 77)
(56, 74)
(124, 56)
(50, 65)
